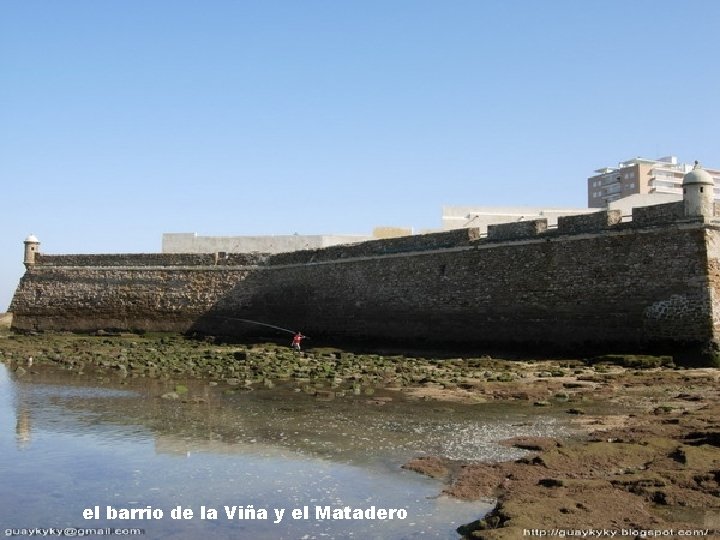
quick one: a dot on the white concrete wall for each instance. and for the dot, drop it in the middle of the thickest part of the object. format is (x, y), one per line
(457, 217)
(626, 204)
(192, 243)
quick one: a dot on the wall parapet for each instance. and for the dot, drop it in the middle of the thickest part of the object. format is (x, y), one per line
(658, 213)
(388, 246)
(597, 222)
(153, 259)
(585, 223)
(370, 248)
(517, 230)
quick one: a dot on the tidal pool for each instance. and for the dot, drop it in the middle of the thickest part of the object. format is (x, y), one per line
(70, 443)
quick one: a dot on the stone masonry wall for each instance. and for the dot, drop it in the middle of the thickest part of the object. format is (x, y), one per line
(402, 244)
(658, 213)
(713, 256)
(612, 288)
(151, 259)
(617, 287)
(90, 298)
(518, 229)
(595, 222)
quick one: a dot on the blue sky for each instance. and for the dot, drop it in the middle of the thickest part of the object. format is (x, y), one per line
(122, 120)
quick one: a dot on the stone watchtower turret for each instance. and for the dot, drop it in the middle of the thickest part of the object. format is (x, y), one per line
(699, 193)
(32, 247)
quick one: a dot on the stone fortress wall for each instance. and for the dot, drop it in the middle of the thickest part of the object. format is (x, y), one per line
(594, 282)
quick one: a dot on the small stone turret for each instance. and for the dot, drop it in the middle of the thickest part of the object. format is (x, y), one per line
(699, 193)
(32, 247)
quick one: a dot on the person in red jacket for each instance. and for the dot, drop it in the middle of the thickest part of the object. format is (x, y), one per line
(297, 338)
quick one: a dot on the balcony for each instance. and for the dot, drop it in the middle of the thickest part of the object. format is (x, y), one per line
(664, 184)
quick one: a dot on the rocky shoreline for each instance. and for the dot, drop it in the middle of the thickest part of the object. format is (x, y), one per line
(649, 459)
(655, 472)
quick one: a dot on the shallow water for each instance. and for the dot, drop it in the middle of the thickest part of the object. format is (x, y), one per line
(70, 443)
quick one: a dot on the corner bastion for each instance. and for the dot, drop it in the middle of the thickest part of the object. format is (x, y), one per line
(595, 283)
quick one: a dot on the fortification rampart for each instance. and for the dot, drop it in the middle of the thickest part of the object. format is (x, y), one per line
(404, 244)
(517, 230)
(592, 282)
(151, 259)
(658, 213)
(589, 223)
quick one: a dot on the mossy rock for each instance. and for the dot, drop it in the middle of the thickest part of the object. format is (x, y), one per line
(641, 361)
(663, 409)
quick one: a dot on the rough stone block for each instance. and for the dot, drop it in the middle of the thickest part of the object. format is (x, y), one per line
(517, 230)
(585, 223)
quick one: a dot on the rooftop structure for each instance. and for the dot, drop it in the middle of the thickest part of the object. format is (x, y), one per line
(458, 217)
(640, 175)
(193, 243)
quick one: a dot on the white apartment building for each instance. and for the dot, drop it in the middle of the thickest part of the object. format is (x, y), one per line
(640, 175)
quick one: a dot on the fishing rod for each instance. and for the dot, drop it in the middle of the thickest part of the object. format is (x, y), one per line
(249, 321)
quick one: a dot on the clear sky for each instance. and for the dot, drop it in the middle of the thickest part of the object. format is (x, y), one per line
(121, 120)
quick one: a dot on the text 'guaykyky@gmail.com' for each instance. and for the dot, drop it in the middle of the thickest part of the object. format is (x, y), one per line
(72, 531)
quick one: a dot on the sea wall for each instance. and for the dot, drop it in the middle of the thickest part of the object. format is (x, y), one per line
(121, 297)
(623, 288)
(592, 282)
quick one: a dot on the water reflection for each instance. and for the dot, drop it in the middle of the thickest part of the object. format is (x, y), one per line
(23, 428)
(80, 444)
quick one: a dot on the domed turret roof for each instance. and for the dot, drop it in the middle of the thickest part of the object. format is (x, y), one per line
(32, 238)
(698, 176)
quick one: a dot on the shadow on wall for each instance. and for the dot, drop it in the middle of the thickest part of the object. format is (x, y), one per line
(424, 302)
(347, 304)
(262, 316)
(537, 298)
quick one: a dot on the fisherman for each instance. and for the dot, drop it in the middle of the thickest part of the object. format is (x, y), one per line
(297, 338)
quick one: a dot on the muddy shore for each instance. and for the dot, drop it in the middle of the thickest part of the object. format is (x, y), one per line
(647, 458)
(653, 472)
